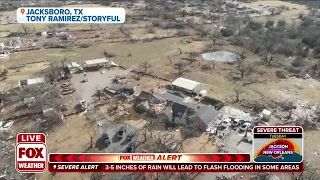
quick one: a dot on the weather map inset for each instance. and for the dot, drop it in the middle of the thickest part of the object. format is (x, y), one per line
(278, 147)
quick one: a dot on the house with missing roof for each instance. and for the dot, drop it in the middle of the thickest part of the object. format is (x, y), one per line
(150, 103)
(171, 107)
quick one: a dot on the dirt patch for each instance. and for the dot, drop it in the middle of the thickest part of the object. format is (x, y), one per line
(290, 15)
(72, 136)
(16, 73)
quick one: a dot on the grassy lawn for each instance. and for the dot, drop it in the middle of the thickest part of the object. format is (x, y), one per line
(141, 51)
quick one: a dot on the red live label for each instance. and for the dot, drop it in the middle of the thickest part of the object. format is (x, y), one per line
(31, 153)
(31, 138)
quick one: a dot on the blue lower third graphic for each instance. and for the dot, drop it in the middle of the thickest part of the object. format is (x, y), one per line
(87, 15)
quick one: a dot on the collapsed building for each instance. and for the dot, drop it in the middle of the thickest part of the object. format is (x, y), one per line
(172, 108)
(125, 89)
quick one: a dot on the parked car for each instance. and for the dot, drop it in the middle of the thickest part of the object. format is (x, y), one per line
(130, 136)
(106, 139)
(226, 122)
(130, 148)
(121, 132)
(245, 126)
(236, 122)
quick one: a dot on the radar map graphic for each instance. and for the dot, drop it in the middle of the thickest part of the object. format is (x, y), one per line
(279, 150)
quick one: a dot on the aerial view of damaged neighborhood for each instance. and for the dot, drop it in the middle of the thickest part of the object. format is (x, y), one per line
(179, 76)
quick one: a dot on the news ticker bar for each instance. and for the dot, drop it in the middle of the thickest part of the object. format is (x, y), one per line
(148, 158)
(174, 167)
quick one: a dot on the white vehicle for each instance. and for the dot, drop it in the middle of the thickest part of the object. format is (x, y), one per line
(245, 126)
(236, 122)
(226, 122)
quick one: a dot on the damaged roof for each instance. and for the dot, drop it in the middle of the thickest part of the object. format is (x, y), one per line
(144, 104)
(176, 99)
(206, 113)
(151, 98)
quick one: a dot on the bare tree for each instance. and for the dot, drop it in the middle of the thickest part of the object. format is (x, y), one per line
(92, 134)
(180, 66)
(267, 57)
(237, 91)
(212, 64)
(215, 36)
(93, 26)
(145, 65)
(272, 11)
(54, 71)
(127, 32)
(25, 28)
(150, 28)
(170, 59)
(241, 52)
(144, 132)
(48, 96)
(244, 69)
(288, 106)
(63, 61)
(192, 57)
(268, 44)
(161, 143)
(99, 92)
(209, 66)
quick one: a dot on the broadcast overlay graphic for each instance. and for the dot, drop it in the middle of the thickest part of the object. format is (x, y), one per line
(283, 146)
(278, 144)
(70, 15)
(31, 153)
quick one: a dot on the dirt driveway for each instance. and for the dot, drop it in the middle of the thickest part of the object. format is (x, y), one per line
(95, 80)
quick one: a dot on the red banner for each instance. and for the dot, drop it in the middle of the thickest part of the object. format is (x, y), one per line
(151, 157)
(174, 167)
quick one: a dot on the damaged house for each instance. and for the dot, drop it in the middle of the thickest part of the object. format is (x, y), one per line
(122, 89)
(151, 103)
(173, 108)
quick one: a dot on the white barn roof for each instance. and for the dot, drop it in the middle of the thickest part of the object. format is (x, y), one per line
(96, 61)
(185, 83)
(36, 80)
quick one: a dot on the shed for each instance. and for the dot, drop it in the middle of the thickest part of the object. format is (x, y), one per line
(96, 62)
(49, 112)
(73, 67)
(29, 100)
(187, 85)
(265, 114)
(31, 82)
